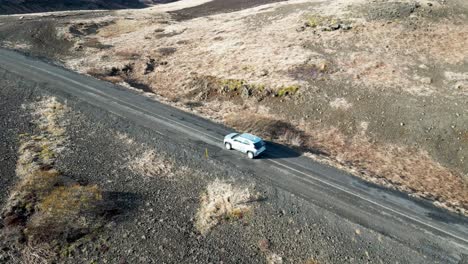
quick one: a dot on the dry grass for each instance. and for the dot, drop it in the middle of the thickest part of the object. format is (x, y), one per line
(403, 168)
(47, 211)
(149, 164)
(311, 261)
(292, 138)
(269, 128)
(127, 54)
(120, 27)
(407, 169)
(222, 202)
(273, 258)
(385, 55)
(125, 138)
(66, 213)
(37, 254)
(39, 151)
(66, 201)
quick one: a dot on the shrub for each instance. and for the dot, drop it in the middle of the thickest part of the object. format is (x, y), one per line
(287, 90)
(65, 214)
(222, 202)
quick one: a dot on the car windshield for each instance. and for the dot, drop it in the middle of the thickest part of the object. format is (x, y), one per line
(259, 144)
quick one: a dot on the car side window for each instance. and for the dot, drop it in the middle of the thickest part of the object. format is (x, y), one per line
(241, 140)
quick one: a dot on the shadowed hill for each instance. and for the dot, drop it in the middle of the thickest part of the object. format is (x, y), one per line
(217, 7)
(33, 6)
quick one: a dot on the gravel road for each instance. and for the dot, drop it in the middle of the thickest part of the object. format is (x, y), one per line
(300, 220)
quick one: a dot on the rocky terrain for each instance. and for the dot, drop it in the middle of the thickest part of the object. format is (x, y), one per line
(157, 202)
(376, 88)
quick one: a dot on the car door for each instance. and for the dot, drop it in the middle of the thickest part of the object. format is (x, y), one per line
(243, 145)
(237, 144)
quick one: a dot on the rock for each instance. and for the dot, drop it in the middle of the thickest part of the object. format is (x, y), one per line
(264, 245)
(402, 124)
(426, 80)
(264, 73)
(335, 26)
(346, 27)
(332, 27)
(150, 66)
(458, 86)
(302, 28)
(245, 92)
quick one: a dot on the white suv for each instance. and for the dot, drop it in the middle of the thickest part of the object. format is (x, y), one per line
(247, 143)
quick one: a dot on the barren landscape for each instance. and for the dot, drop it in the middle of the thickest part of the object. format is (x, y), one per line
(376, 88)
(88, 187)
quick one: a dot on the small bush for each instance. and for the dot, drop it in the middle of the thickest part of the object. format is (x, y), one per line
(287, 90)
(65, 214)
(222, 202)
(318, 21)
(150, 164)
(66, 201)
(232, 85)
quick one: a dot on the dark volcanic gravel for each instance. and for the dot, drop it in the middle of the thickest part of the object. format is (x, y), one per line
(13, 122)
(33, 6)
(218, 7)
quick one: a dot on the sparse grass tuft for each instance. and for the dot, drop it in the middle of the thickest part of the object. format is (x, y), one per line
(43, 208)
(273, 258)
(232, 85)
(149, 164)
(287, 90)
(66, 201)
(314, 21)
(311, 261)
(37, 254)
(64, 214)
(222, 202)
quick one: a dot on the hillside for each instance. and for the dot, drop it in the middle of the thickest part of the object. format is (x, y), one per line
(376, 88)
(36, 6)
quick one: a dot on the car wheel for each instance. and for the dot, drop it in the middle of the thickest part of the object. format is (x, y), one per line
(250, 155)
(228, 146)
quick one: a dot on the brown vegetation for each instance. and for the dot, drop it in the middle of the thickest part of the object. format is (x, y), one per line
(149, 164)
(46, 210)
(222, 202)
(399, 167)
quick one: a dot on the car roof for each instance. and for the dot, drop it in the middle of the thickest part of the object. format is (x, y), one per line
(251, 137)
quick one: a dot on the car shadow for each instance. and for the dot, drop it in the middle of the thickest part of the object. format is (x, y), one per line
(278, 151)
